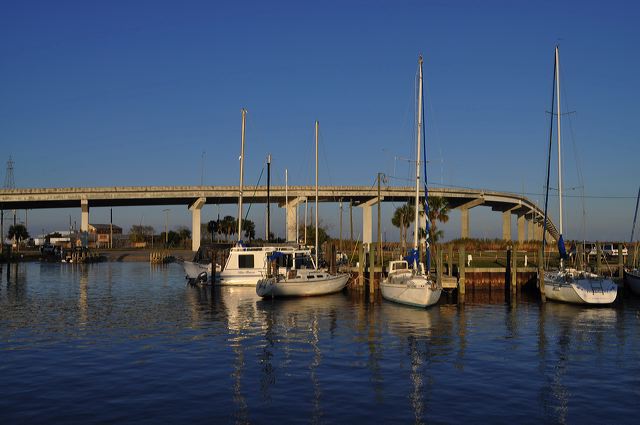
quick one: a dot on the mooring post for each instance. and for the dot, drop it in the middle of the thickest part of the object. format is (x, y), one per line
(620, 262)
(598, 259)
(541, 274)
(440, 265)
(450, 259)
(514, 269)
(461, 266)
(507, 278)
(361, 265)
(372, 270)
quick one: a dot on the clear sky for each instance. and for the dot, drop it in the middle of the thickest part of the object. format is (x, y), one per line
(133, 92)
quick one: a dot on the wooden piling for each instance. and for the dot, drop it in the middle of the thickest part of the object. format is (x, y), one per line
(541, 274)
(450, 259)
(360, 265)
(372, 270)
(461, 266)
(439, 265)
(514, 269)
(620, 262)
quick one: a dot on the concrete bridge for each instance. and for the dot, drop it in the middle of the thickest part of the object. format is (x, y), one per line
(529, 216)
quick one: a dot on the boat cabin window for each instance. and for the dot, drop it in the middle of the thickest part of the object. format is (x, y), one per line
(245, 261)
(400, 266)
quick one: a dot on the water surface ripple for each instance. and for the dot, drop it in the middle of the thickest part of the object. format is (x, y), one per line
(127, 342)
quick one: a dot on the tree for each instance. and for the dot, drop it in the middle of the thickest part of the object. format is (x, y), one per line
(18, 232)
(402, 218)
(438, 211)
(323, 235)
(138, 233)
(213, 226)
(228, 226)
(184, 234)
(249, 229)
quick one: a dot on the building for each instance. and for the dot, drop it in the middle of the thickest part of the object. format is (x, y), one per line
(101, 233)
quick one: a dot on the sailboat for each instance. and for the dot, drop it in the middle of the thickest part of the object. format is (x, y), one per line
(568, 284)
(407, 282)
(632, 276)
(301, 277)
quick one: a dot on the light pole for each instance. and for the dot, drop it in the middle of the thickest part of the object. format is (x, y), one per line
(166, 226)
(383, 177)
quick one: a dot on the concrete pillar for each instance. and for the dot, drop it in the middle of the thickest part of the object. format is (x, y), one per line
(538, 232)
(521, 220)
(84, 219)
(196, 222)
(292, 214)
(464, 223)
(506, 225)
(292, 210)
(530, 231)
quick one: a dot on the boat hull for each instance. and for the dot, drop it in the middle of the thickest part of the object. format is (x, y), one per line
(415, 291)
(594, 291)
(632, 280)
(273, 287)
(240, 279)
(192, 269)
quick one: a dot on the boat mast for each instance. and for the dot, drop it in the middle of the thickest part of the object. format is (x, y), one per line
(559, 138)
(244, 119)
(419, 134)
(268, 226)
(635, 216)
(316, 231)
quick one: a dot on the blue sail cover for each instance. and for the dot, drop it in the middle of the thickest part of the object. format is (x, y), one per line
(413, 257)
(275, 255)
(562, 249)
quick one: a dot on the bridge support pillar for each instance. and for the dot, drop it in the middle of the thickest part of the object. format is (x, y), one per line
(464, 223)
(84, 219)
(367, 221)
(292, 217)
(196, 222)
(521, 220)
(506, 225)
(530, 231)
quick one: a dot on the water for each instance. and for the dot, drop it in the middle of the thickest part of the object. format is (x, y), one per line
(126, 342)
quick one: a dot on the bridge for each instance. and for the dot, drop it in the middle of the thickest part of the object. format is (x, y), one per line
(528, 214)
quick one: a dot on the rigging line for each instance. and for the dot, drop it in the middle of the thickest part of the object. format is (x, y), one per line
(546, 198)
(635, 216)
(253, 196)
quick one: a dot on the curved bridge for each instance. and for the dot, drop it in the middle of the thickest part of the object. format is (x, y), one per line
(195, 197)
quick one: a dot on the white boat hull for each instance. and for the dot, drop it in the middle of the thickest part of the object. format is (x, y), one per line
(579, 290)
(240, 279)
(273, 287)
(632, 280)
(192, 270)
(415, 291)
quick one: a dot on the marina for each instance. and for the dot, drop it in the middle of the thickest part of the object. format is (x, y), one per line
(180, 242)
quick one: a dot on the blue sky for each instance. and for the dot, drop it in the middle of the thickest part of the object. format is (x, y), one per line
(131, 93)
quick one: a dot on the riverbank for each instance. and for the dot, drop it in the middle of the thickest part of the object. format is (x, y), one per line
(113, 255)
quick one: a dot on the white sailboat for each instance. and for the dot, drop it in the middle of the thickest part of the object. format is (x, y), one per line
(632, 276)
(568, 284)
(301, 281)
(407, 282)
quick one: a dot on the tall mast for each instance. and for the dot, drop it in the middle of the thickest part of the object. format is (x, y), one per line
(286, 204)
(244, 119)
(268, 226)
(316, 231)
(419, 133)
(559, 148)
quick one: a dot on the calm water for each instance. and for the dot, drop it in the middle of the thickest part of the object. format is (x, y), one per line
(124, 342)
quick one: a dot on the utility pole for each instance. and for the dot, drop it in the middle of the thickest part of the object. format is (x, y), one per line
(380, 175)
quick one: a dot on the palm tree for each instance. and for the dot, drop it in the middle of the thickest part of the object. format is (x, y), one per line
(249, 229)
(402, 218)
(19, 232)
(438, 211)
(213, 226)
(228, 226)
